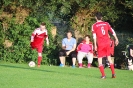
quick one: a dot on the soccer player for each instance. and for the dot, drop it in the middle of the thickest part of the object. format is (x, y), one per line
(68, 49)
(37, 40)
(85, 48)
(100, 31)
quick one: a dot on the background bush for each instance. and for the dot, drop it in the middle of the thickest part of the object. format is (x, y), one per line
(18, 19)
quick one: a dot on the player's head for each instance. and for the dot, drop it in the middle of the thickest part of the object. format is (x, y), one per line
(87, 38)
(42, 26)
(69, 34)
(98, 16)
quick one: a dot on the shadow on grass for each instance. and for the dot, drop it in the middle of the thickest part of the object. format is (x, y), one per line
(10, 66)
(38, 69)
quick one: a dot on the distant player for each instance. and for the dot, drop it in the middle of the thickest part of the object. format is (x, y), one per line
(37, 40)
(100, 31)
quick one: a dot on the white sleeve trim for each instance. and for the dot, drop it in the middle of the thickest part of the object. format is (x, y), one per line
(113, 32)
(94, 36)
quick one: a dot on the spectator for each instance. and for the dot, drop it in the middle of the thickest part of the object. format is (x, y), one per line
(68, 49)
(85, 49)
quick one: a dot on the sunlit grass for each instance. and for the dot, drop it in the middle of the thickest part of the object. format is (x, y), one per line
(22, 76)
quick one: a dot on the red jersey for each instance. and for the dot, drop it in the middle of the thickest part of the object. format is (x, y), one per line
(38, 37)
(101, 30)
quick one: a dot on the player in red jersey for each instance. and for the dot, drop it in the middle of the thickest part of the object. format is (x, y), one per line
(101, 38)
(37, 40)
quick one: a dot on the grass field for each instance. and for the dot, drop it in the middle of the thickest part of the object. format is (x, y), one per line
(22, 76)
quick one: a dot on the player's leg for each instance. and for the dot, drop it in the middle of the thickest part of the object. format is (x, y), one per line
(73, 56)
(111, 66)
(90, 59)
(101, 67)
(39, 49)
(39, 59)
(62, 55)
(80, 57)
(107, 63)
(110, 61)
(101, 54)
(104, 61)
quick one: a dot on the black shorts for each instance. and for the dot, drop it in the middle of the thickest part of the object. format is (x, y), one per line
(130, 57)
(73, 54)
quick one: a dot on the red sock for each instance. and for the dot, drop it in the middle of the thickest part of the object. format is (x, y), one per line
(101, 68)
(89, 64)
(80, 64)
(39, 60)
(112, 68)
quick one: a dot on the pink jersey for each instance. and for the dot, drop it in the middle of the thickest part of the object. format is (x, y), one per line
(38, 37)
(101, 30)
(83, 47)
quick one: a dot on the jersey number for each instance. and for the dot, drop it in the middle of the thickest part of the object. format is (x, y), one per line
(103, 31)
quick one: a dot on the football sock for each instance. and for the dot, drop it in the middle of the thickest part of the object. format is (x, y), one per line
(112, 68)
(101, 68)
(39, 60)
(89, 64)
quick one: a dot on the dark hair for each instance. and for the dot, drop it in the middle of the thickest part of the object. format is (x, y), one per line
(87, 36)
(69, 31)
(43, 23)
(98, 15)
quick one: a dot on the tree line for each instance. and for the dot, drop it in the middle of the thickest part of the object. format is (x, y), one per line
(18, 18)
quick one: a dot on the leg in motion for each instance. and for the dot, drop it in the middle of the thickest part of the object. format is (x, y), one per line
(101, 68)
(112, 67)
(39, 59)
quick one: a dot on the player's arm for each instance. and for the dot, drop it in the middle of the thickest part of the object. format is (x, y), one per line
(47, 40)
(95, 41)
(116, 38)
(94, 38)
(114, 34)
(33, 35)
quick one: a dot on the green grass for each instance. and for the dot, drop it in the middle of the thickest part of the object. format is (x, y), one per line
(22, 76)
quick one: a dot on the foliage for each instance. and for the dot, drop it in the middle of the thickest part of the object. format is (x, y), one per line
(124, 40)
(84, 17)
(18, 18)
(18, 30)
(125, 15)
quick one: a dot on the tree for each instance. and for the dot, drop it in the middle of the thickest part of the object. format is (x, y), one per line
(84, 17)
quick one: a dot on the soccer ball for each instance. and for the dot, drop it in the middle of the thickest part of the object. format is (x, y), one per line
(32, 64)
